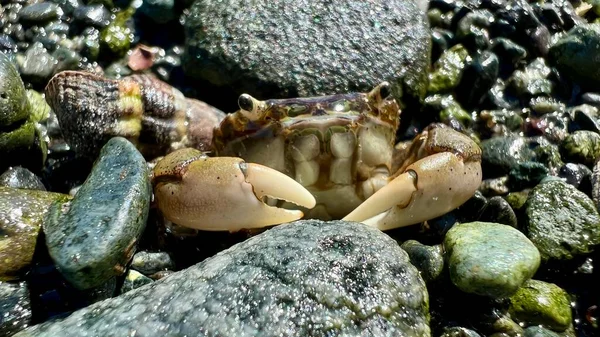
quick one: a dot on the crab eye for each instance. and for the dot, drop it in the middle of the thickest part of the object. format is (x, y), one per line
(248, 107)
(385, 90)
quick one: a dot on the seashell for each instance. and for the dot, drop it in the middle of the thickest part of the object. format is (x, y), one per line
(154, 116)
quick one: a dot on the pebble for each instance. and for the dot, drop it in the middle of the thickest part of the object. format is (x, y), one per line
(448, 70)
(573, 55)
(92, 15)
(541, 303)
(15, 308)
(38, 65)
(538, 331)
(576, 175)
(428, 259)
(149, 263)
(477, 79)
(456, 331)
(581, 147)
(159, 11)
(498, 210)
(22, 214)
(526, 174)
(93, 238)
(40, 13)
(19, 177)
(562, 221)
(351, 278)
(489, 259)
(134, 280)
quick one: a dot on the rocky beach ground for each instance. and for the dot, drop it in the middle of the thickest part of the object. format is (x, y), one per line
(84, 251)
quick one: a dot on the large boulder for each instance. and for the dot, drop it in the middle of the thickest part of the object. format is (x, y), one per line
(305, 48)
(307, 278)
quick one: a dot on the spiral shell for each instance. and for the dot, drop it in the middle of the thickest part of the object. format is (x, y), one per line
(154, 116)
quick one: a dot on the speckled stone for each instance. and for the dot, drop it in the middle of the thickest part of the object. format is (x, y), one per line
(22, 213)
(149, 263)
(19, 177)
(93, 238)
(15, 308)
(561, 221)
(307, 48)
(489, 259)
(307, 278)
(134, 280)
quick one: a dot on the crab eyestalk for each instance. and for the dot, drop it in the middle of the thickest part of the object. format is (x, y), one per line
(223, 193)
(250, 107)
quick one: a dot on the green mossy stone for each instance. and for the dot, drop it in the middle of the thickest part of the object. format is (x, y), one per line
(448, 70)
(22, 213)
(14, 106)
(489, 259)
(542, 303)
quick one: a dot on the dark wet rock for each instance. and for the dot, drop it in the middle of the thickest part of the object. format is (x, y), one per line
(7, 44)
(448, 110)
(134, 280)
(500, 98)
(428, 259)
(152, 262)
(441, 40)
(448, 70)
(499, 210)
(40, 13)
(472, 31)
(472, 208)
(517, 21)
(576, 174)
(337, 271)
(573, 55)
(58, 27)
(527, 174)
(542, 303)
(596, 184)
(94, 237)
(19, 177)
(501, 154)
(332, 49)
(561, 221)
(91, 43)
(494, 186)
(15, 308)
(456, 331)
(509, 54)
(584, 117)
(93, 15)
(38, 65)
(591, 98)
(477, 79)
(159, 11)
(533, 80)
(66, 59)
(581, 147)
(489, 259)
(538, 331)
(22, 213)
(68, 6)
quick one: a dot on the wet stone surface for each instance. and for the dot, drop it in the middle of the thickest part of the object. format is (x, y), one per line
(113, 203)
(303, 278)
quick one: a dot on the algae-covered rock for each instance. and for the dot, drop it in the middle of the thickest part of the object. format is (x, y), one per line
(575, 54)
(582, 147)
(489, 259)
(448, 70)
(93, 239)
(307, 278)
(542, 303)
(22, 213)
(561, 221)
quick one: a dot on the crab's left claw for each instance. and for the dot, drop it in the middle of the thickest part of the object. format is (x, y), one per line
(223, 193)
(448, 174)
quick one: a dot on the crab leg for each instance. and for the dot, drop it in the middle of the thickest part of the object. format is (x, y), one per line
(429, 187)
(223, 193)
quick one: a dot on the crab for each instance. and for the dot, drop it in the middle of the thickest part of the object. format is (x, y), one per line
(326, 157)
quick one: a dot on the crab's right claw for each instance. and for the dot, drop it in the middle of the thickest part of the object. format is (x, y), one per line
(223, 193)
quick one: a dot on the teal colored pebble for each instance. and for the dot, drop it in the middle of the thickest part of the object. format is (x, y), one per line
(489, 259)
(93, 238)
